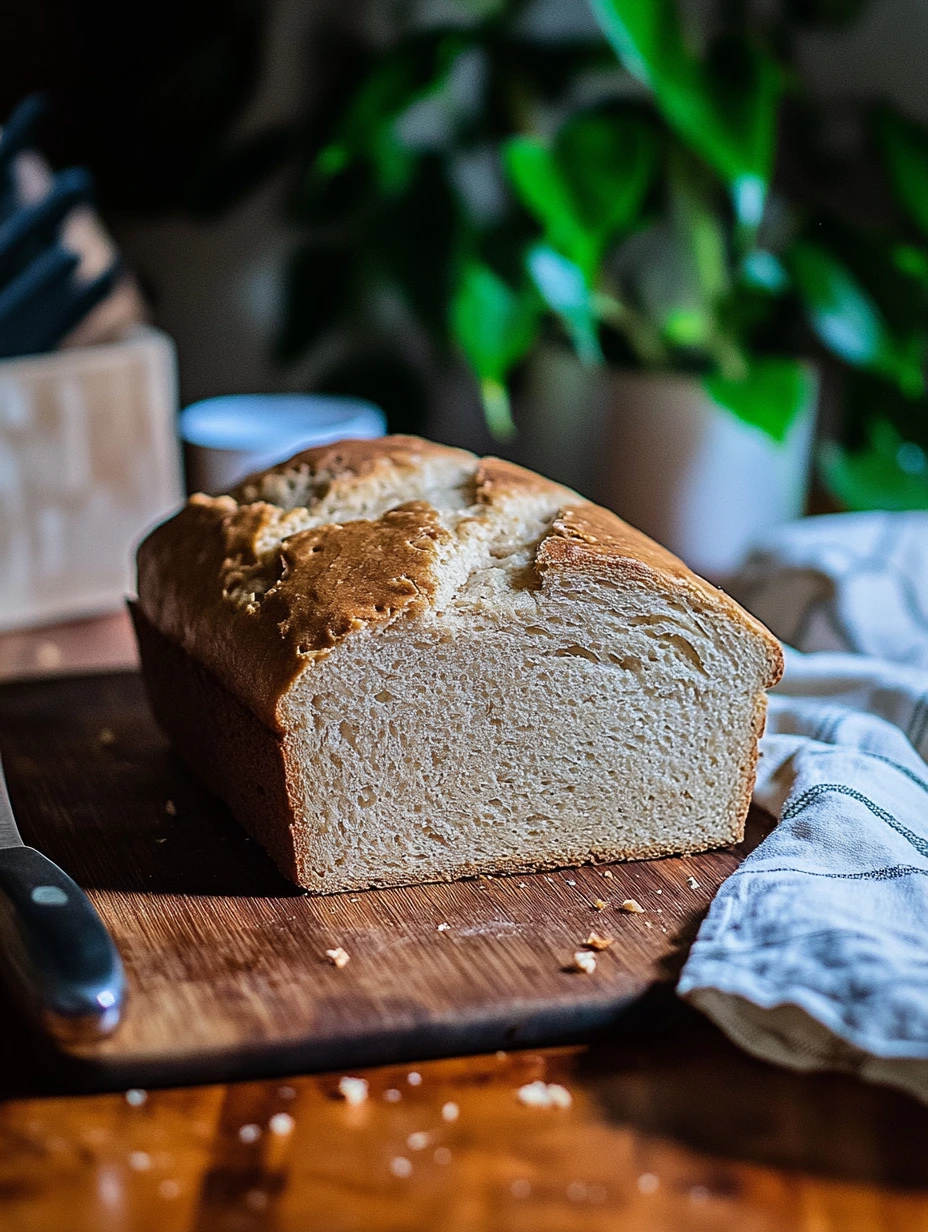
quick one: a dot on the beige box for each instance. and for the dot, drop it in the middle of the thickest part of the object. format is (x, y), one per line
(89, 461)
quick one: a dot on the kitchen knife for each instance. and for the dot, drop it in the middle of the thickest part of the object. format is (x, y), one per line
(53, 946)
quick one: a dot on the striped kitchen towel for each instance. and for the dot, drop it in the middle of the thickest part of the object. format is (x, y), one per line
(814, 953)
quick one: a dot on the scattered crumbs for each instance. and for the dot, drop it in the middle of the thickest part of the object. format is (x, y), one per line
(400, 1167)
(256, 1200)
(595, 942)
(443, 928)
(170, 808)
(353, 1090)
(169, 1189)
(501, 1054)
(106, 735)
(338, 957)
(569, 882)
(699, 1194)
(599, 904)
(520, 1187)
(135, 1097)
(393, 1096)
(541, 1094)
(249, 1133)
(692, 883)
(660, 911)
(442, 1155)
(607, 872)
(648, 924)
(414, 1079)
(632, 906)
(281, 1123)
(522, 885)
(161, 840)
(584, 962)
(140, 1161)
(354, 900)
(419, 1140)
(450, 1112)
(48, 654)
(286, 1092)
(647, 1183)
(658, 891)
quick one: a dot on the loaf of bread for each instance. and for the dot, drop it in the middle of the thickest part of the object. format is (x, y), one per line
(398, 662)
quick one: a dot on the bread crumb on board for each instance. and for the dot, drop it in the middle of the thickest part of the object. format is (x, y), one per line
(583, 961)
(632, 906)
(692, 883)
(540, 1094)
(338, 957)
(599, 904)
(596, 942)
(353, 1090)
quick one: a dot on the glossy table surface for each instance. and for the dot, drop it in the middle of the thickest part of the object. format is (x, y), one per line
(669, 1127)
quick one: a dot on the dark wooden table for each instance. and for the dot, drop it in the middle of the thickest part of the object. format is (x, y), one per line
(670, 1128)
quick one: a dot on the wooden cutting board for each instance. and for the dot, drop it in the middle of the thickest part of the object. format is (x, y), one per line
(225, 959)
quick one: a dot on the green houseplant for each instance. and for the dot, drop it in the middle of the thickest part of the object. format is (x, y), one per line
(656, 199)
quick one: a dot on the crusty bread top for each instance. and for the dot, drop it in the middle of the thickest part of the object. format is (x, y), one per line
(259, 584)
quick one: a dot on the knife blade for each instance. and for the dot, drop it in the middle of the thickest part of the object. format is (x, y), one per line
(54, 948)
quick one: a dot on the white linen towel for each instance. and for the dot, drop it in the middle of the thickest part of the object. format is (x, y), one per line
(814, 953)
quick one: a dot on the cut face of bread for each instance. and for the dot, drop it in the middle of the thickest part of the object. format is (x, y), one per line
(401, 663)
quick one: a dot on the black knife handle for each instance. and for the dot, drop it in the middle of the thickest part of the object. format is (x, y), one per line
(56, 948)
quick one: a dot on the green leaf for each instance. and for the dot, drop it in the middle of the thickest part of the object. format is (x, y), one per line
(540, 185)
(493, 326)
(912, 261)
(731, 126)
(696, 218)
(563, 287)
(764, 270)
(891, 474)
(495, 398)
(586, 190)
(848, 321)
(905, 146)
(770, 397)
(608, 161)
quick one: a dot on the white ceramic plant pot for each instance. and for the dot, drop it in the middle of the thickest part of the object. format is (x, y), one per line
(88, 462)
(693, 476)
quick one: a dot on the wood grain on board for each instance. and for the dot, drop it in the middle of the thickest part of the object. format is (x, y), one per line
(226, 960)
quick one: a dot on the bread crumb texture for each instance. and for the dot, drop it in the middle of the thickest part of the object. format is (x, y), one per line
(467, 668)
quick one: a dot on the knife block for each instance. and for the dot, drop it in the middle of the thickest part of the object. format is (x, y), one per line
(89, 460)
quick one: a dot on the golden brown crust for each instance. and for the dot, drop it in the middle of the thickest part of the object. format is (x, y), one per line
(256, 590)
